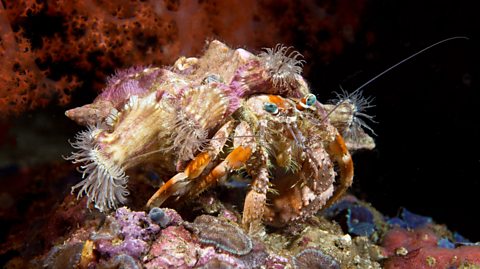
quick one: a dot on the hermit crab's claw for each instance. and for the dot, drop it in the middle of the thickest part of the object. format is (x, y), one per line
(338, 150)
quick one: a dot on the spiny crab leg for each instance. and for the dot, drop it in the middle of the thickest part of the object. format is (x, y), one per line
(178, 183)
(244, 146)
(338, 150)
(255, 201)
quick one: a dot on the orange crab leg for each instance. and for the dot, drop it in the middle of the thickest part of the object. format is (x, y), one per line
(172, 186)
(339, 151)
(244, 145)
(178, 183)
(235, 160)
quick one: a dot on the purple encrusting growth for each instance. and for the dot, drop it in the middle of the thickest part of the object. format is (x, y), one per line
(134, 81)
(134, 230)
(314, 258)
(360, 221)
(222, 234)
(409, 220)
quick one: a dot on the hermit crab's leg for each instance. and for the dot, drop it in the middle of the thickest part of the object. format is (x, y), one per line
(338, 150)
(255, 201)
(244, 146)
(178, 183)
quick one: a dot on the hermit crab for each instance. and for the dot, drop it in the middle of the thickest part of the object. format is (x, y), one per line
(205, 118)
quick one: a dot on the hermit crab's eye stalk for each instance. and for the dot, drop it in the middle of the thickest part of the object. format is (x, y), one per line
(306, 102)
(309, 100)
(270, 107)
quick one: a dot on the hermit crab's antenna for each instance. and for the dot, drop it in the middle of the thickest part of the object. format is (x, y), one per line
(358, 90)
(406, 59)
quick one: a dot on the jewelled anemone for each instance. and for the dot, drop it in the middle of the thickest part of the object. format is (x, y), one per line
(105, 183)
(282, 63)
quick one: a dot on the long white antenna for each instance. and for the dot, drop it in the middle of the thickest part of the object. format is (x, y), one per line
(406, 59)
(389, 69)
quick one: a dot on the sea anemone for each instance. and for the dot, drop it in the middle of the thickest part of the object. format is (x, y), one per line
(104, 182)
(199, 110)
(354, 106)
(283, 64)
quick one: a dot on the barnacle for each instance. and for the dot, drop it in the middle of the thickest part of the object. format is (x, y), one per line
(105, 182)
(282, 63)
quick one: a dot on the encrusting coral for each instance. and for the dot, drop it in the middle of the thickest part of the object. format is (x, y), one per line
(92, 38)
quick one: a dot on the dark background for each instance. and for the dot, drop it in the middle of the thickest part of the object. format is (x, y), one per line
(426, 158)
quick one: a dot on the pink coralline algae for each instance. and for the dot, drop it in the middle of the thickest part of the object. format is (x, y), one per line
(131, 239)
(213, 242)
(176, 248)
(419, 249)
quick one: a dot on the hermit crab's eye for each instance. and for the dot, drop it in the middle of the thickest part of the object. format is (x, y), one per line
(270, 107)
(310, 99)
(307, 102)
